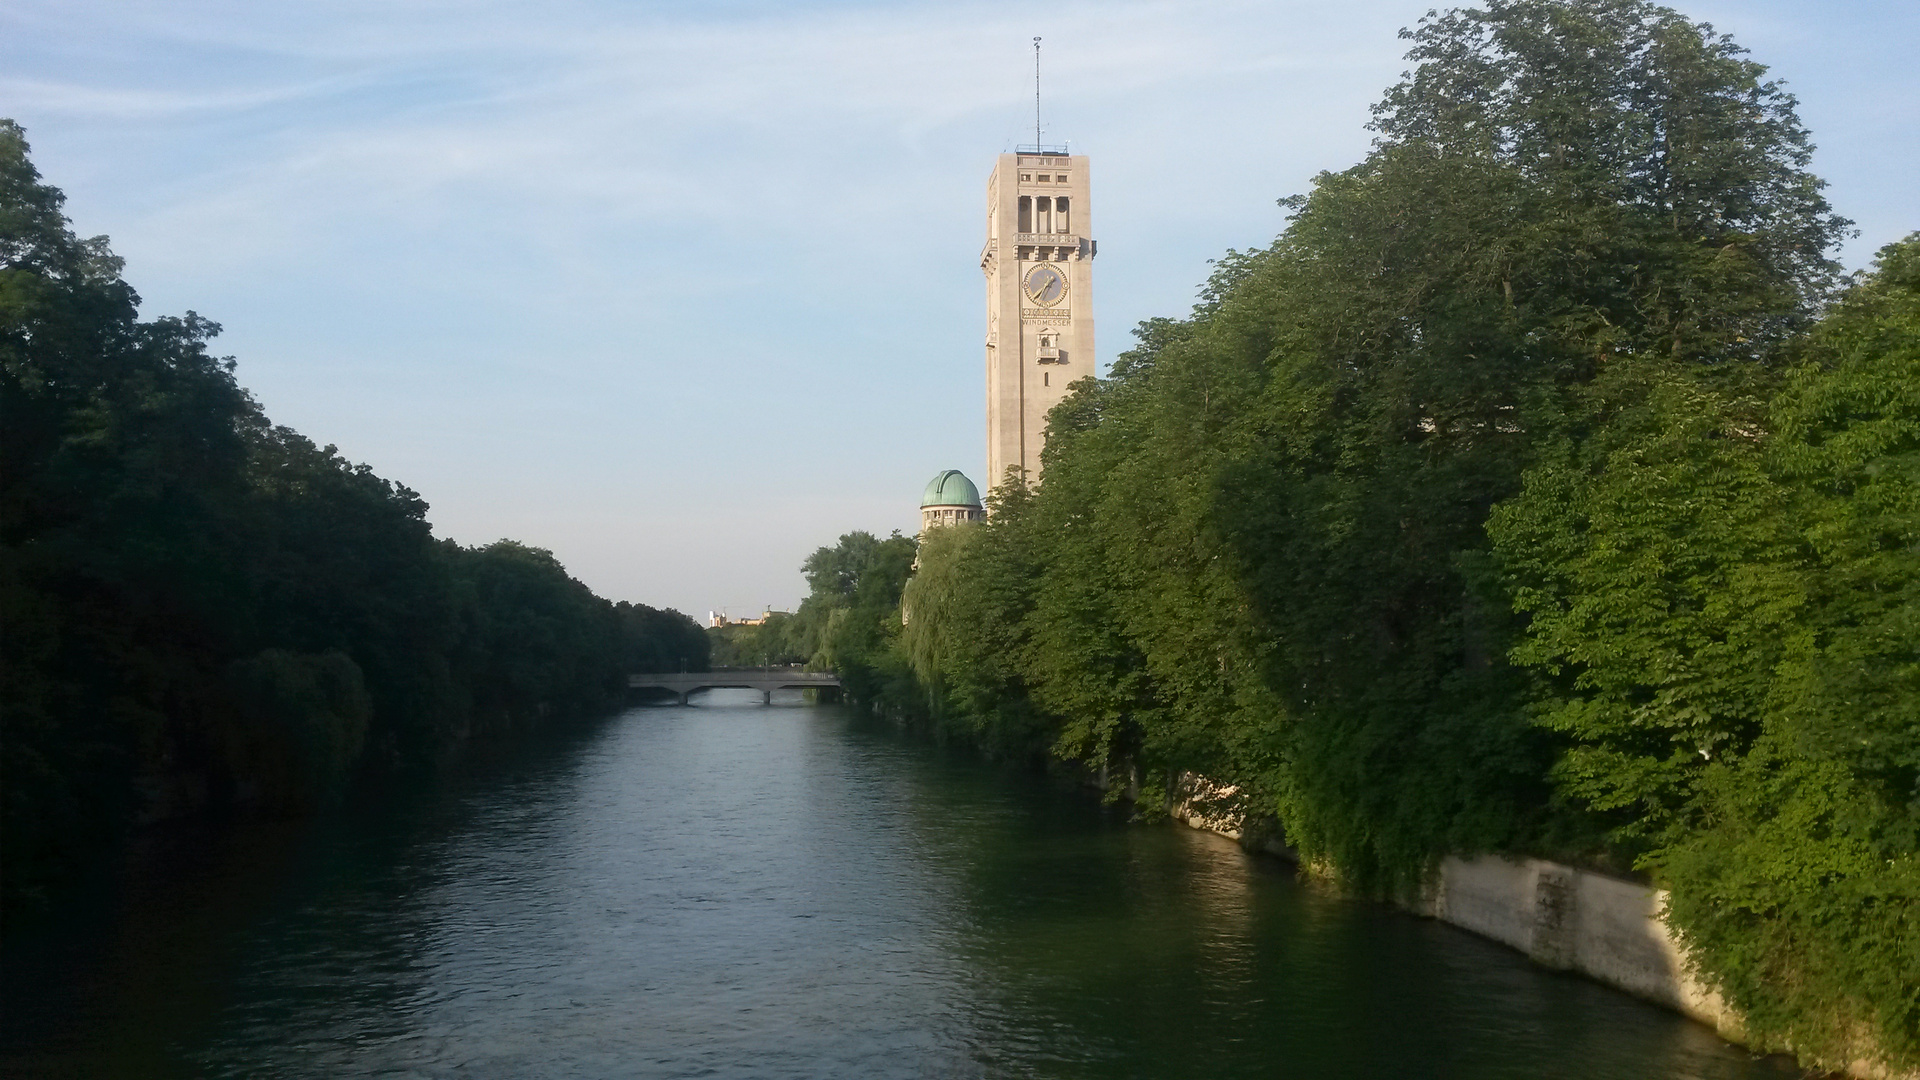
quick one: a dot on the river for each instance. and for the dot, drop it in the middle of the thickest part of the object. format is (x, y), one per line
(737, 890)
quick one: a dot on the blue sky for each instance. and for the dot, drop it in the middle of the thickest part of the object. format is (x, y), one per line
(684, 291)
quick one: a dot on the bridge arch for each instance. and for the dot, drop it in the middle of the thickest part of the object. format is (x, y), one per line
(766, 680)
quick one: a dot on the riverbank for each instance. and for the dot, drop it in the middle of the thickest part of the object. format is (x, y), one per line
(1608, 929)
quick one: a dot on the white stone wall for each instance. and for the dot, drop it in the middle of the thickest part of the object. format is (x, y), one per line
(1600, 926)
(1607, 929)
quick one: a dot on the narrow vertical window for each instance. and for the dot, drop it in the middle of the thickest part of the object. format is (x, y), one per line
(1042, 214)
(1060, 215)
(1026, 213)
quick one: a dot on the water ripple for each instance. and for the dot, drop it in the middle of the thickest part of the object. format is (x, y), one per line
(742, 891)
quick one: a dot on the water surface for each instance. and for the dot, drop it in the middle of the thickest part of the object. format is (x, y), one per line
(735, 890)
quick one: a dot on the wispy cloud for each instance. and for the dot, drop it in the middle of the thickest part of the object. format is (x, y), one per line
(526, 257)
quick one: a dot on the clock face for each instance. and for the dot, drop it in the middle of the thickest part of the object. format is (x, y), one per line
(1046, 285)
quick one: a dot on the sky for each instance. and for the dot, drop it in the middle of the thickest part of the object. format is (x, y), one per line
(683, 291)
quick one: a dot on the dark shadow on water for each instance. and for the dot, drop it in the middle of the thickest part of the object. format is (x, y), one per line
(741, 890)
(141, 958)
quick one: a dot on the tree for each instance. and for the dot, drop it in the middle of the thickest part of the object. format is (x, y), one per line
(122, 452)
(1560, 190)
(850, 620)
(1723, 594)
(199, 608)
(967, 639)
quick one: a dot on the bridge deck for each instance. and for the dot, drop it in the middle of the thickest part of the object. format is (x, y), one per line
(765, 680)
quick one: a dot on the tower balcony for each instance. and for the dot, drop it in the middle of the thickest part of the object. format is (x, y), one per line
(1057, 246)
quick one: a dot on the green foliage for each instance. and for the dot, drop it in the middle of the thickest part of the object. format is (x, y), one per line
(966, 636)
(1512, 500)
(1655, 559)
(200, 608)
(1725, 604)
(299, 724)
(532, 641)
(777, 640)
(850, 621)
(661, 640)
(1260, 549)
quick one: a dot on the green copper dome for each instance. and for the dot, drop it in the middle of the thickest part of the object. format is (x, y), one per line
(950, 488)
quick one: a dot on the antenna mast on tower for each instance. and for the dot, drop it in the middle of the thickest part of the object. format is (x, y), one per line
(1036, 93)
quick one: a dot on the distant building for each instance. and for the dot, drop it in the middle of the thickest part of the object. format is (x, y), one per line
(717, 619)
(950, 499)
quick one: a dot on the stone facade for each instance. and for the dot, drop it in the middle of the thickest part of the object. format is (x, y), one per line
(1038, 262)
(950, 499)
(932, 516)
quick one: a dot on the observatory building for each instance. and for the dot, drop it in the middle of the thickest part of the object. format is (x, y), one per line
(950, 499)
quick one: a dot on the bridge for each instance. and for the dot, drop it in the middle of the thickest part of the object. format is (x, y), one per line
(765, 680)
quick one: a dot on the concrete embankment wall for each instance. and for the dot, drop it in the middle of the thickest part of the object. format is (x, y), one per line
(1610, 930)
(1599, 926)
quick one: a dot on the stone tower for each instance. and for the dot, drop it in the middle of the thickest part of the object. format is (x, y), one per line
(1039, 267)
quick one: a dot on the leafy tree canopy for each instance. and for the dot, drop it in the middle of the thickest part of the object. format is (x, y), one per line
(200, 608)
(1534, 492)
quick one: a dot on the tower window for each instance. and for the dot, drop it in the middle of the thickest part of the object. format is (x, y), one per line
(1026, 176)
(1026, 213)
(1060, 215)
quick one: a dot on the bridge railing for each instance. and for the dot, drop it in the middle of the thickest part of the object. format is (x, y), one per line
(764, 679)
(773, 669)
